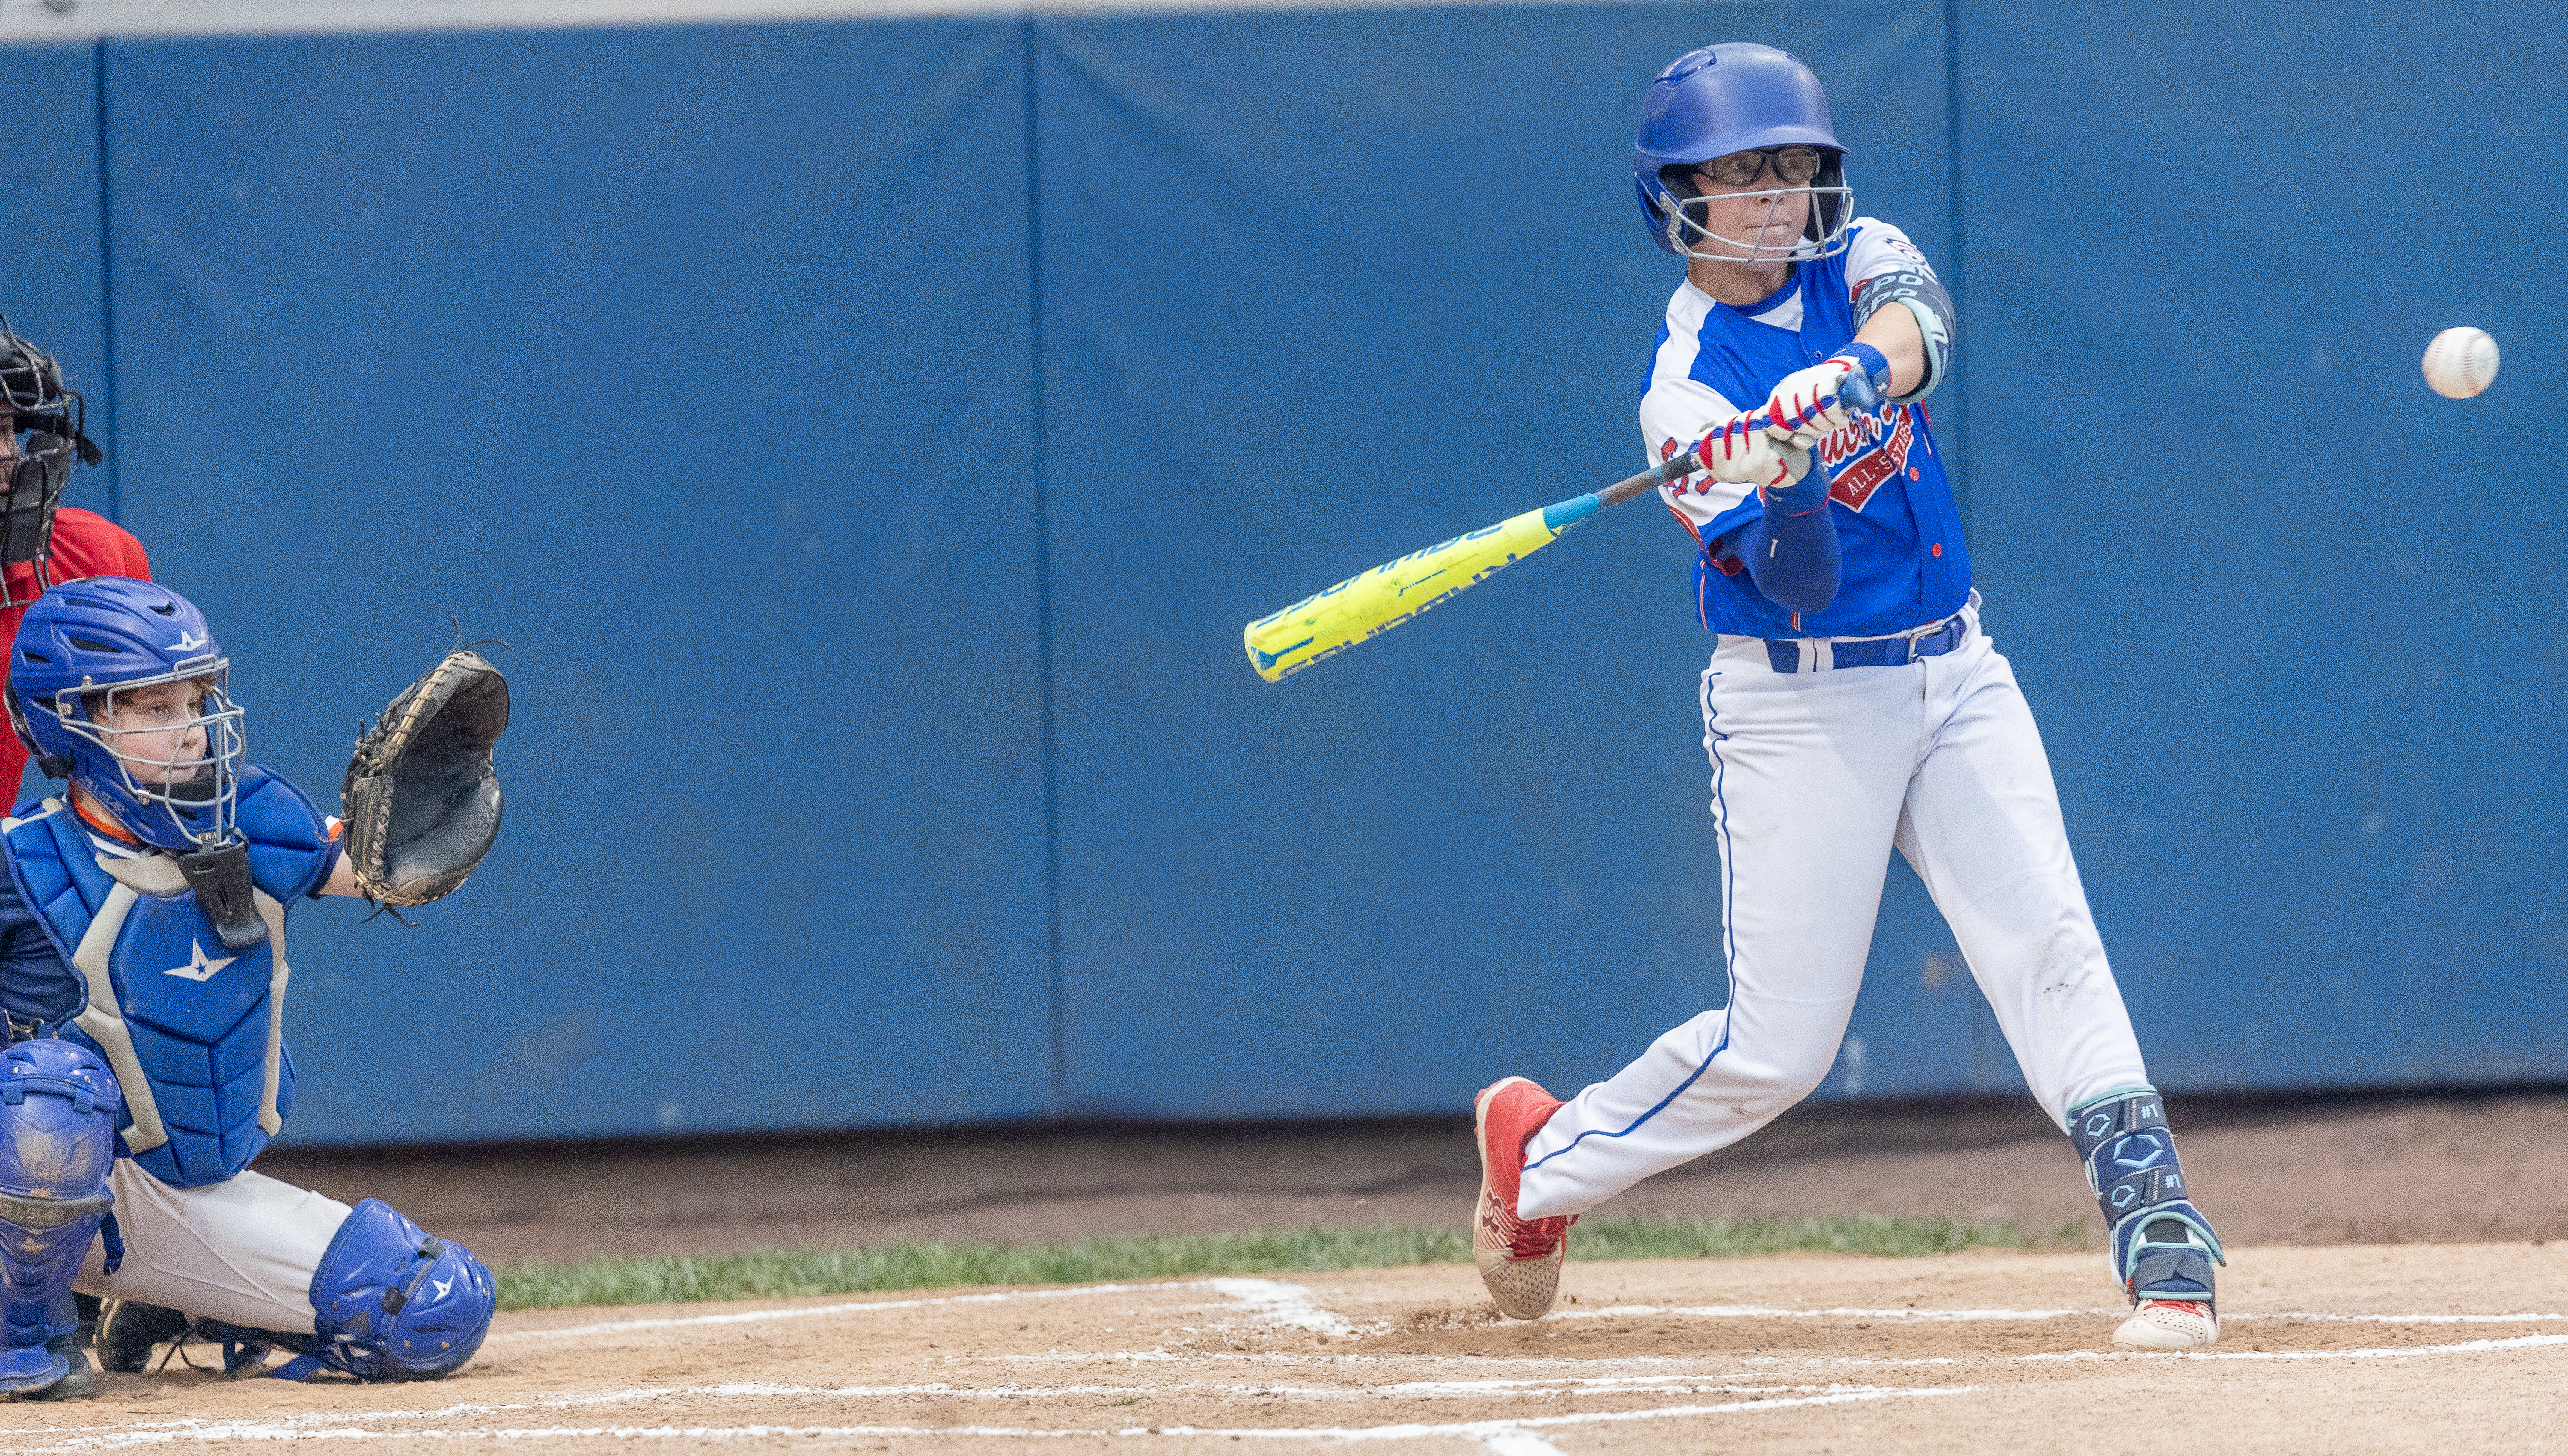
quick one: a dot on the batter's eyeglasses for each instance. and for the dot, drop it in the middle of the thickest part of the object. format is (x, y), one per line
(1793, 167)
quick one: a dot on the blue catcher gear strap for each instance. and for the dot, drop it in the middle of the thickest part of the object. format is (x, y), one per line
(58, 1113)
(393, 1303)
(2163, 1248)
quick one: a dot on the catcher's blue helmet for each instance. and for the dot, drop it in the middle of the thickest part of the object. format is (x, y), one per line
(1737, 97)
(81, 648)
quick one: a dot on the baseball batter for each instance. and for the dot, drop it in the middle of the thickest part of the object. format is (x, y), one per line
(1853, 704)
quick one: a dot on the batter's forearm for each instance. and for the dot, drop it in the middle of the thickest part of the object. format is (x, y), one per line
(1894, 332)
(1791, 552)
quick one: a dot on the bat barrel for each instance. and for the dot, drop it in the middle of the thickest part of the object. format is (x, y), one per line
(1368, 605)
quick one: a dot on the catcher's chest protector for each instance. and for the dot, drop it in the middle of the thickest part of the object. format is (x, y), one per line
(194, 1030)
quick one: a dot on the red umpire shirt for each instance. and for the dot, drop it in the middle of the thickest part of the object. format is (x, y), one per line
(85, 544)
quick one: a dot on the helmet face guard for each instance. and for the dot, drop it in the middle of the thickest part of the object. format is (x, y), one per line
(1823, 233)
(55, 421)
(31, 487)
(173, 782)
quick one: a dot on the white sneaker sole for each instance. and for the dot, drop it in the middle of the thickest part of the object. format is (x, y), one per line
(2168, 1330)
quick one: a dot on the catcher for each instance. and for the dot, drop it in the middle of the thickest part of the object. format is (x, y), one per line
(142, 968)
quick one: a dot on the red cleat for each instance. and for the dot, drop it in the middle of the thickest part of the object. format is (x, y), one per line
(1520, 1259)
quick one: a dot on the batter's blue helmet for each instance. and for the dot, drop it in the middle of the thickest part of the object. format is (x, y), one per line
(82, 647)
(1737, 97)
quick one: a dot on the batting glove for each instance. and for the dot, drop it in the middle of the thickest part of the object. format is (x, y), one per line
(1811, 403)
(1742, 451)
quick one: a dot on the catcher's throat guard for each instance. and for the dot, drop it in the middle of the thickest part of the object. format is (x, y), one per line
(422, 796)
(221, 877)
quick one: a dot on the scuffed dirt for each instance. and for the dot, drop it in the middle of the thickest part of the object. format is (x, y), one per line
(1984, 1351)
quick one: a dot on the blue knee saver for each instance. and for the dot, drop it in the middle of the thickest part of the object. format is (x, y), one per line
(59, 1108)
(392, 1302)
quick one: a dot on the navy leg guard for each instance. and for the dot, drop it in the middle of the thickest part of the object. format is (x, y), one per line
(2163, 1248)
(393, 1304)
(59, 1106)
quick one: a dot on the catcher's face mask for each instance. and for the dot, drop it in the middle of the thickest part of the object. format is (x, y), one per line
(173, 745)
(54, 421)
(35, 478)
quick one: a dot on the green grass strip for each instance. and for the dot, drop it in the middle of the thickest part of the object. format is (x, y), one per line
(769, 1274)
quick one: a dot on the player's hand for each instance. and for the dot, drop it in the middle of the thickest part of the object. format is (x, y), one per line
(1811, 403)
(1742, 451)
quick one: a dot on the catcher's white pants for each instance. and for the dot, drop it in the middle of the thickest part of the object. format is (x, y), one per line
(1815, 777)
(242, 1250)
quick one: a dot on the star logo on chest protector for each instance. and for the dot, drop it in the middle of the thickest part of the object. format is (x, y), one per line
(197, 967)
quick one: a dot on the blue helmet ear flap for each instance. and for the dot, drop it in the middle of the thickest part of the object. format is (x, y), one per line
(52, 765)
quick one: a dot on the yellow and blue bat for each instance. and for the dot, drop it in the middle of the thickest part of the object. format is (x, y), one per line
(1372, 603)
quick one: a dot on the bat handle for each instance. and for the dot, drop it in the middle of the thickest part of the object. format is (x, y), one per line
(1858, 390)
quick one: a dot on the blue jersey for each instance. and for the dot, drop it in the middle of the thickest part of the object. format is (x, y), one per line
(1899, 536)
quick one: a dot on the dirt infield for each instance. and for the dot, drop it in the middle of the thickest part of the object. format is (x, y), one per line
(2348, 1349)
(2375, 1169)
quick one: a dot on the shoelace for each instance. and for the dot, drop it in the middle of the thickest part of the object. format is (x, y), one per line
(1530, 1239)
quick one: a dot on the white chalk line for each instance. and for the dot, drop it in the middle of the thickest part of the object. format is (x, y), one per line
(312, 1424)
(1547, 1390)
(1939, 1317)
(340, 1427)
(2471, 1347)
(815, 1311)
(1270, 1302)
(1289, 1306)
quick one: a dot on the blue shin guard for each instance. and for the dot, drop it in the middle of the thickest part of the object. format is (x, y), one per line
(59, 1106)
(393, 1303)
(2162, 1247)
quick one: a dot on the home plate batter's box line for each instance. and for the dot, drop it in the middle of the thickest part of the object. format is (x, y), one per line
(1761, 1311)
(1291, 1304)
(185, 1428)
(315, 1425)
(1275, 1301)
(340, 1425)
(344, 1427)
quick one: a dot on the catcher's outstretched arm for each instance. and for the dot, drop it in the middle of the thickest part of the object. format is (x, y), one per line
(343, 879)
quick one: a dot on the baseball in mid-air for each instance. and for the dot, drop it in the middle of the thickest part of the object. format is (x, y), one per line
(2460, 363)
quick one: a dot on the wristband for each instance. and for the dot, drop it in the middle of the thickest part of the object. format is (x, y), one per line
(1875, 366)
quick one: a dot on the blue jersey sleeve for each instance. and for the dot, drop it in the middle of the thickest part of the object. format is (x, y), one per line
(35, 984)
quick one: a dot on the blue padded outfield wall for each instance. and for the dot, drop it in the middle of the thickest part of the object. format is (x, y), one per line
(871, 435)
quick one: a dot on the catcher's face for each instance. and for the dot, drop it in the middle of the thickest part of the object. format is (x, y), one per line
(156, 730)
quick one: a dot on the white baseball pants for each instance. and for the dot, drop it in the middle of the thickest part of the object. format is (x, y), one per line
(1815, 776)
(242, 1250)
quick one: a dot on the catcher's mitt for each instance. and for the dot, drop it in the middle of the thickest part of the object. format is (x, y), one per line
(422, 799)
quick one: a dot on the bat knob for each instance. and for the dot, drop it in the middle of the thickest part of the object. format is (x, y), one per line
(1858, 390)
